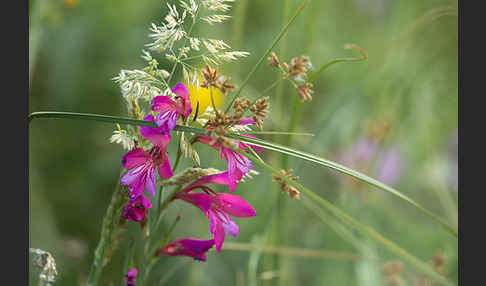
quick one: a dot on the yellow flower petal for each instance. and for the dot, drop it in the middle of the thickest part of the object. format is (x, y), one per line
(203, 96)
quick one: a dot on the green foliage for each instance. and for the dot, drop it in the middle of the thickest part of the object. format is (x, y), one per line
(409, 81)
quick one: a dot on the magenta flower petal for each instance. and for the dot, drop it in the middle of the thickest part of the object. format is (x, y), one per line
(183, 93)
(137, 208)
(220, 178)
(191, 247)
(136, 179)
(200, 200)
(158, 136)
(246, 121)
(217, 206)
(150, 181)
(165, 170)
(243, 146)
(134, 158)
(229, 225)
(216, 228)
(238, 166)
(130, 277)
(235, 206)
(139, 178)
(167, 120)
(162, 102)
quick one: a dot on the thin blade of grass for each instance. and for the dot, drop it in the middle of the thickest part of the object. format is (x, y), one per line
(291, 251)
(257, 142)
(344, 170)
(262, 59)
(353, 223)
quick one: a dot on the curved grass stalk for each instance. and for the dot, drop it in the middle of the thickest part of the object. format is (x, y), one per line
(363, 57)
(291, 251)
(110, 231)
(277, 133)
(344, 170)
(353, 223)
(262, 59)
(257, 142)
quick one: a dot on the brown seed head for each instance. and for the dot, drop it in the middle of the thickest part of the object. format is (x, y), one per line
(305, 91)
(240, 106)
(273, 60)
(438, 262)
(298, 67)
(259, 110)
(391, 272)
(223, 85)
(210, 76)
(285, 187)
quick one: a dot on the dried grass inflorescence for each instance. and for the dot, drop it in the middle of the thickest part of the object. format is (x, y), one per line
(296, 73)
(240, 106)
(305, 91)
(438, 263)
(285, 187)
(259, 110)
(219, 125)
(298, 67)
(392, 271)
(212, 78)
(46, 262)
(273, 60)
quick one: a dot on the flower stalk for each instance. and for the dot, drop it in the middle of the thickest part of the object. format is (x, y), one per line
(113, 225)
(260, 143)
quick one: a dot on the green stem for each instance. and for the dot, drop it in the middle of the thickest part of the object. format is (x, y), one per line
(291, 127)
(344, 170)
(261, 143)
(110, 229)
(277, 39)
(106, 118)
(239, 22)
(281, 198)
(212, 100)
(183, 44)
(330, 63)
(178, 157)
(351, 222)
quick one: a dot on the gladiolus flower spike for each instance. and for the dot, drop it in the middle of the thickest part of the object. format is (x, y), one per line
(217, 206)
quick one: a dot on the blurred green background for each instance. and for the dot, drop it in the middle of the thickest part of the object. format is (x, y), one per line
(393, 117)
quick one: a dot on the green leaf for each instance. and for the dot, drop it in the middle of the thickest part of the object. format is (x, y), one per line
(353, 223)
(258, 142)
(340, 168)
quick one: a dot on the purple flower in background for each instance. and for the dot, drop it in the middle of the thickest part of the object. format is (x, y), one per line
(386, 165)
(217, 206)
(130, 277)
(143, 166)
(169, 109)
(137, 208)
(359, 155)
(191, 247)
(389, 166)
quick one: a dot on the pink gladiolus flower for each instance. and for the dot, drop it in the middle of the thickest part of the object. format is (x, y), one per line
(217, 206)
(130, 277)
(191, 247)
(142, 165)
(170, 110)
(137, 208)
(238, 165)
